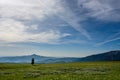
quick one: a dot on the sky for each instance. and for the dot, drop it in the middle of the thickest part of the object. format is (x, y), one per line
(60, 28)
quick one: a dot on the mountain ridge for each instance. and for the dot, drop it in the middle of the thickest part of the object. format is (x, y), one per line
(107, 56)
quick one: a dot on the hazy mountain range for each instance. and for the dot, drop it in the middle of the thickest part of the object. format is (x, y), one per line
(107, 56)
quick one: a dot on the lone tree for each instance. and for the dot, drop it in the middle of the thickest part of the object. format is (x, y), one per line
(32, 61)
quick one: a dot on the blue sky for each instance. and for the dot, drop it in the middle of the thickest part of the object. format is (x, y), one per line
(72, 28)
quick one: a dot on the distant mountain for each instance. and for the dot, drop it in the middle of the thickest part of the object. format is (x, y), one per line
(108, 56)
(38, 59)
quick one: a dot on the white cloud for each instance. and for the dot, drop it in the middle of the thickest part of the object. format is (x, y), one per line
(15, 16)
(14, 31)
(108, 10)
(28, 9)
(14, 12)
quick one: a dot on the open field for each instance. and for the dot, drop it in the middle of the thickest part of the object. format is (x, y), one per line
(61, 71)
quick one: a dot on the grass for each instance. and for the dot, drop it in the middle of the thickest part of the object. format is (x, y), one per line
(61, 71)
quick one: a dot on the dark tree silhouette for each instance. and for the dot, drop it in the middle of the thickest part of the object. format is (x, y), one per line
(33, 61)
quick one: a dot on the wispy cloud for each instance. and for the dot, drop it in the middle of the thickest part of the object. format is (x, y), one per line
(27, 10)
(13, 31)
(103, 10)
(107, 41)
(70, 17)
(110, 39)
(108, 10)
(15, 16)
(29, 18)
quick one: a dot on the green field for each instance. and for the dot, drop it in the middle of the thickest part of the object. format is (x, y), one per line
(61, 71)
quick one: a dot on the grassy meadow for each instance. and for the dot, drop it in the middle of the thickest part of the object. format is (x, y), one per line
(61, 71)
